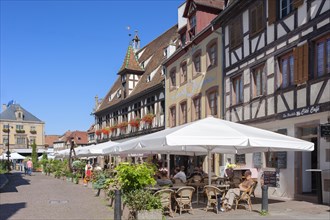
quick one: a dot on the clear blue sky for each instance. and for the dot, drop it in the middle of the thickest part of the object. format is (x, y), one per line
(57, 55)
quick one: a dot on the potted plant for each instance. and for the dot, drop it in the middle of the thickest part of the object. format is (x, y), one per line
(122, 125)
(76, 177)
(98, 132)
(113, 128)
(6, 130)
(106, 131)
(33, 131)
(148, 118)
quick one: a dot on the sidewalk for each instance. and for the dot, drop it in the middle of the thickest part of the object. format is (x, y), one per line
(44, 197)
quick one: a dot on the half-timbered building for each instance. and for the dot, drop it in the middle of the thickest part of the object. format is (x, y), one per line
(135, 104)
(193, 72)
(277, 77)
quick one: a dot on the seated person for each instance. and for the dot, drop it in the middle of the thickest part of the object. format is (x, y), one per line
(232, 193)
(164, 180)
(180, 175)
(195, 173)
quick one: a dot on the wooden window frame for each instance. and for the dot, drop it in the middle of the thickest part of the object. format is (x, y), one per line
(259, 69)
(172, 118)
(236, 33)
(197, 56)
(290, 9)
(234, 91)
(290, 73)
(183, 74)
(212, 44)
(183, 116)
(172, 82)
(326, 56)
(209, 92)
(257, 22)
(192, 27)
(193, 107)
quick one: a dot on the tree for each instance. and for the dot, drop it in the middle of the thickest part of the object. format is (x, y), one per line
(34, 155)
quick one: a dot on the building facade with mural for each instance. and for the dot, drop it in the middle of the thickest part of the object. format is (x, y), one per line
(20, 129)
(277, 77)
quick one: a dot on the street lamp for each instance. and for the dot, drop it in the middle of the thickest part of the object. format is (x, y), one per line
(8, 152)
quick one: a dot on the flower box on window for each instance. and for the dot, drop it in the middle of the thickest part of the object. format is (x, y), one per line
(135, 123)
(106, 131)
(33, 132)
(98, 132)
(6, 130)
(113, 128)
(122, 125)
(148, 118)
(20, 131)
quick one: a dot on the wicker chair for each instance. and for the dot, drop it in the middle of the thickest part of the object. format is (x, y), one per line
(246, 196)
(211, 193)
(166, 200)
(183, 198)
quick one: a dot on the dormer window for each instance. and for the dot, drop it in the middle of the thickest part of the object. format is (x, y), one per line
(123, 78)
(118, 93)
(192, 30)
(149, 78)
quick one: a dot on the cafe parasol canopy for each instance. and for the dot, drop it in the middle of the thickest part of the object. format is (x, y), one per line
(213, 135)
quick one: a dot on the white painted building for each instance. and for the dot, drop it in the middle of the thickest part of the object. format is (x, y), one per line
(277, 77)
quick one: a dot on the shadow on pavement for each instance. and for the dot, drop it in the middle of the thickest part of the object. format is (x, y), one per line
(256, 200)
(15, 179)
(9, 209)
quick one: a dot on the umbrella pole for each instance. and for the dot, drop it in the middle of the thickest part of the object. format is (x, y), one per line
(168, 164)
(209, 164)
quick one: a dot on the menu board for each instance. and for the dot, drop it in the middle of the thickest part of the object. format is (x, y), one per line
(325, 130)
(257, 160)
(270, 178)
(281, 159)
(240, 158)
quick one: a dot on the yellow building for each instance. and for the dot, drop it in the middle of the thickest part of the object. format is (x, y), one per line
(21, 128)
(193, 72)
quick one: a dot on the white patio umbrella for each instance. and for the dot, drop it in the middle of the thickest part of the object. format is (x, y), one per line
(13, 156)
(97, 149)
(212, 135)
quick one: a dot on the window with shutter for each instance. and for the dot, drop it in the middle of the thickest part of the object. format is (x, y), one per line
(287, 69)
(257, 18)
(271, 11)
(322, 58)
(235, 32)
(258, 84)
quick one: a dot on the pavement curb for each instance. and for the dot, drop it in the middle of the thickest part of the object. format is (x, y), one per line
(3, 180)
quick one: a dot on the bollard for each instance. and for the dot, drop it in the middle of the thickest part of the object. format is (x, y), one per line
(117, 205)
(264, 202)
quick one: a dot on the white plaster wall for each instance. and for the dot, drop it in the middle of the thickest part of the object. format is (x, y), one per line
(315, 88)
(323, 23)
(228, 115)
(254, 43)
(239, 53)
(245, 21)
(246, 46)
(326, 7)
(309, 30)
(227, 57)
(261, 42)
(270, 103)
(246, 94)
(233, 58)
(227, 101)
(233, 117)
(181, 20)
(280, 105)
(302, 14)
(289, 98)
(254, 108)
(247, 112)
(301, 98)
(326, 94)
(227, 89)
(290, 22)
(246, 77)
(239, 111)
(226, 36)
(314, 8)
(270, 34)
(262, 110)
(280, 31)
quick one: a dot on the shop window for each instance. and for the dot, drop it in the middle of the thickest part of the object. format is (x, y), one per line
(322, 59)
(183, 112)
(237, 90)
(256, 20)
(235, 32)
(257, 83)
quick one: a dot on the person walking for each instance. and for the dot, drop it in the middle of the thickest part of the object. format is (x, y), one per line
(29, 166)
(25, 167)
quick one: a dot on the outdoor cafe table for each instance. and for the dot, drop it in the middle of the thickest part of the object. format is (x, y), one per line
(196, 185)
(157, 188)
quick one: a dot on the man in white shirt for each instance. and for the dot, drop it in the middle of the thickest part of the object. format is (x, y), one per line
(180, 174)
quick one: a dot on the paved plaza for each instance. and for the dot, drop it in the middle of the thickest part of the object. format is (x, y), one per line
(44, 197)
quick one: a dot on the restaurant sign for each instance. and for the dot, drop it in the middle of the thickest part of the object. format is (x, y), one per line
(301, 112)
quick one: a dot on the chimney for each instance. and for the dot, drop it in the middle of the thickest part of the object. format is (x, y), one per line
(136, 42)
(4, 107)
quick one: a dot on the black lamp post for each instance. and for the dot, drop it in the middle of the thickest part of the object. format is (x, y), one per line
(8, 152)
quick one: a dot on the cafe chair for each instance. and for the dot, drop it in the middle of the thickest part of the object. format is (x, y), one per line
(245, 196)
(183, 199)
(211, 193)
(166, 200)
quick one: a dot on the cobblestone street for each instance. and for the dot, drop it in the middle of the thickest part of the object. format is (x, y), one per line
(44, 197)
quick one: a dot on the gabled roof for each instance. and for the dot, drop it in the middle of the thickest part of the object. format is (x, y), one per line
(9, 114)
(154, 52)
(131, 63)
(204, 4)
(50, 139)
(79, 137)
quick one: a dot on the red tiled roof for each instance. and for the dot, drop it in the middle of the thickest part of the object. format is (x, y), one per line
(80, 137)
(91, 129)
(130, 63)
(153, 51)
(50, 139)
(208, 4)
